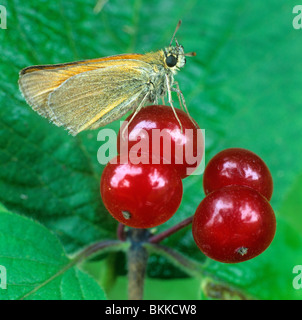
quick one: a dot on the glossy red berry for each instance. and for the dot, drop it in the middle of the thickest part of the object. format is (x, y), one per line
(140, 195)
(236, 166)
(180, 148)
(233, 224)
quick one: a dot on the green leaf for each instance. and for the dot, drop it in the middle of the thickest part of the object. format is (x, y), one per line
(37, 266)
(159, 289)
(270, 275)
(291, 207)
(45, 173)
(210, 289)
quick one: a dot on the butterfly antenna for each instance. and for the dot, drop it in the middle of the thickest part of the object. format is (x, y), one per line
(177, 27)
(190, 54)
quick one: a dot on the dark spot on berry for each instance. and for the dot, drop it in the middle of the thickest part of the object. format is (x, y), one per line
(242, 251)
(126, 215)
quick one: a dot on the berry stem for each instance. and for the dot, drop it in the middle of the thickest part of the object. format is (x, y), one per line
(137, 262)
(121, 235)
(165, 234)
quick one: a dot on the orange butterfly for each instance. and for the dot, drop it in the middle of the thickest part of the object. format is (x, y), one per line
(92, 93)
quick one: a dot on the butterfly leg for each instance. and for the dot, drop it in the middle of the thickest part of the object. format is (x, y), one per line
(138, 108)
(182, 99)
(171, 102)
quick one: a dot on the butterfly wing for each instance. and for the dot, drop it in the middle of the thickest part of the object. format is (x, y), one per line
(101, 96)
(85, 94)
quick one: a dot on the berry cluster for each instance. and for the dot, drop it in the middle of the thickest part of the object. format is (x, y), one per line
(235, 221)
(142, 186)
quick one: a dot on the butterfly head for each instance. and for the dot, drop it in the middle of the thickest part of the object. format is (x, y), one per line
(175, 57)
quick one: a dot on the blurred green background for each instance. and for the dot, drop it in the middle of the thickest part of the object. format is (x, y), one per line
(244, 88)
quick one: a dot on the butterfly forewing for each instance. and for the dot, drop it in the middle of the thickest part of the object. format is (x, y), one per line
(83, 95)
(95, 94)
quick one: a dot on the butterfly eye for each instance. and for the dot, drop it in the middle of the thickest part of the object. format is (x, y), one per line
(171, 61)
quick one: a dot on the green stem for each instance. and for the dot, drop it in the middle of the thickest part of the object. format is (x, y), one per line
(107, 245)
(189, 266)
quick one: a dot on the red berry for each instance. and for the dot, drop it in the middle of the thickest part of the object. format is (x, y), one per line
(233, 224)
(172, 147)
(236, 166)
(140, 195)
